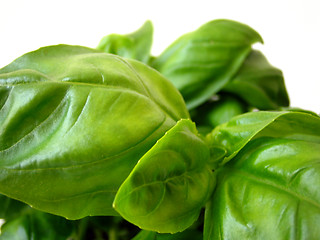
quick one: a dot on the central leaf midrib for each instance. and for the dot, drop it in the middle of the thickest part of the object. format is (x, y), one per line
(99, 85)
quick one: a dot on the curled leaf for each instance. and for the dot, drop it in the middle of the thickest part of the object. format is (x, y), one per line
(170, 184)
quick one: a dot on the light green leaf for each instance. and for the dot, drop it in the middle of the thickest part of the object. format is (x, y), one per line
(136, 45)
(170, 184)
(73, 124)
(202, 62)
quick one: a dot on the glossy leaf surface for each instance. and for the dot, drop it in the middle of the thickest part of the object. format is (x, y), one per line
(270, 188)
(202, 62)
(258, 83)
(136, 45)
(235, 134)
(174, 171)
(74, 122)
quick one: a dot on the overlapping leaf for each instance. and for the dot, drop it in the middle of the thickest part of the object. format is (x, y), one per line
(74, 122)
(267, 185)
(170, 184)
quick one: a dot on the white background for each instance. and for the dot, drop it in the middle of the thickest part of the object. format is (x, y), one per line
(290, 29)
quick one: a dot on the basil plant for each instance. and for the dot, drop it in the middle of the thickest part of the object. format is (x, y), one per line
(197, 143)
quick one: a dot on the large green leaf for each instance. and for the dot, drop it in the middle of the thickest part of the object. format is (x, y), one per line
(202, 62)
(170, 184)
(258, 83)
(136, 45)
(270, 187)
(74, 122)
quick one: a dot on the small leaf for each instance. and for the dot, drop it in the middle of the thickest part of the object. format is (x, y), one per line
(136, 45)
(216, 112)
(170, 184)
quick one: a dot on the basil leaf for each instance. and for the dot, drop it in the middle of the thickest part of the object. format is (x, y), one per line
(174, 171)
(270, 190)
(258, 83)
(217, 112)
(136, 45)
(202, 62)
(235, 134)
(74, 122)
(268, 187)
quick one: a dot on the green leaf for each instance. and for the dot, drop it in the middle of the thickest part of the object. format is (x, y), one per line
(136, 45)
(202, 62)
(170, 184)
(217, 112)
(73, 124)
(269, 189)
(258, 83)
(235, 134)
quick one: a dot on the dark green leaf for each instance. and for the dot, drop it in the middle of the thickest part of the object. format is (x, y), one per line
(259, 84)
(216, 112)
(170, 184)
(11, 208)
